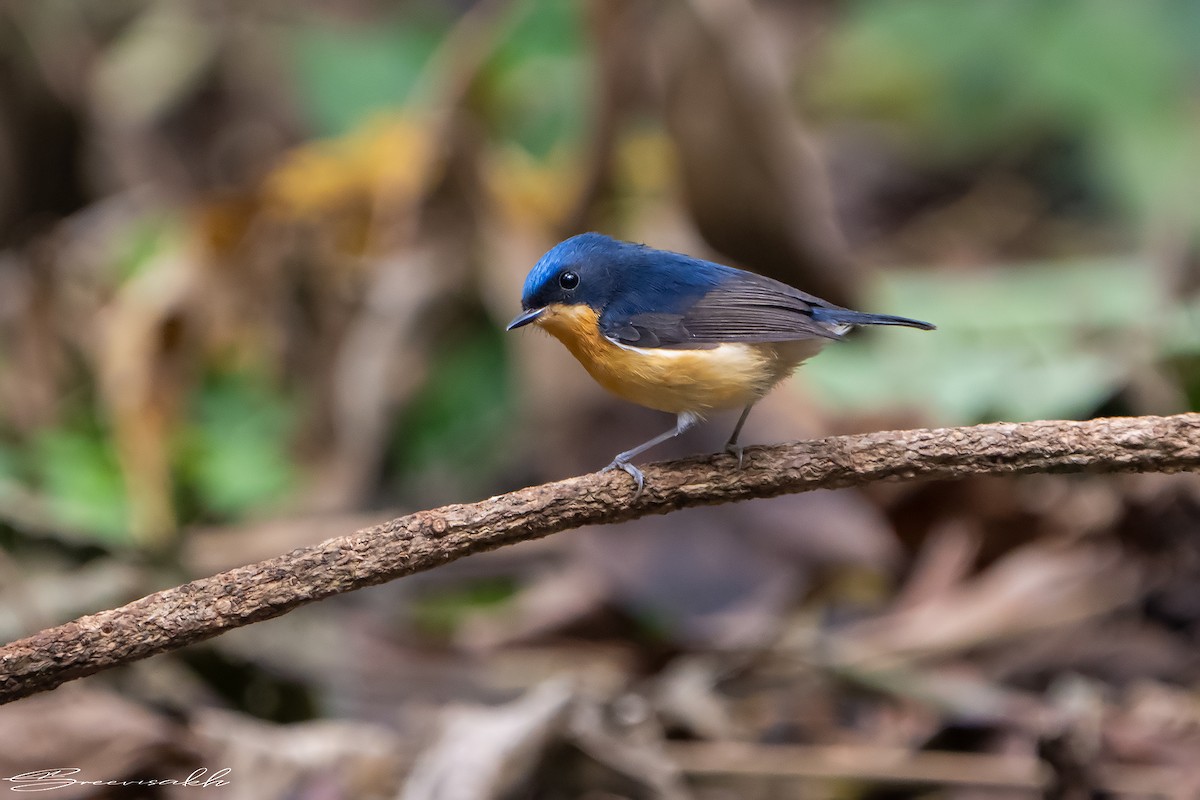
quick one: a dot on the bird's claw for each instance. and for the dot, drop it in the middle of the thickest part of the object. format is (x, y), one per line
(634, 473)
(736, 450)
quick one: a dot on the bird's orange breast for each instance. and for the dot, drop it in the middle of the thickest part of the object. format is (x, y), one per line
(729, 375)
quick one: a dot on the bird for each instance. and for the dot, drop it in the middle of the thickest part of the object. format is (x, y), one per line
(677, 333)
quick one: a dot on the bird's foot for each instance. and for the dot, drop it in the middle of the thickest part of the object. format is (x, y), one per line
(736, 450)
(633, 471)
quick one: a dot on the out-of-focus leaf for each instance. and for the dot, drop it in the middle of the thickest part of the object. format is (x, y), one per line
(145, 239)
(535, 82)
(1182, 346)
(1007, 66)
(485, 752)
(1117, 76)
(81, 478)
(460, 416)
(1183, 329)
(532, 193)
(9, 462)
(144, 345)
(384, 155)
(1082, 296)
(235, 455)
(441, 614)
(349, 72)
(1154, 167)
(1038, 342)
(321, 758)
(1035, 587)
(156, 60)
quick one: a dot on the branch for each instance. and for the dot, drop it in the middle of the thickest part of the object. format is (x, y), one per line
(204, 608)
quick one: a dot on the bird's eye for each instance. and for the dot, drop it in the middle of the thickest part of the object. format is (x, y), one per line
(568, 280)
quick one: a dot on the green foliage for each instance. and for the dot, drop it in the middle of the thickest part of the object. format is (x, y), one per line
(459, 418)
(9, 463)
(345, 72)
(1038, 342)
(1182, 345)
(145, 238)
(77, 470)
(234, 452)
(440, 614)
(967, 78)
(963, 80)
(535, 85)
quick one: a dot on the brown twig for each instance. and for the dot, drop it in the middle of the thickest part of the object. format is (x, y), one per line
(199, 610)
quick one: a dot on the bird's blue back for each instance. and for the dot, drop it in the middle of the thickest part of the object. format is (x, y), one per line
(657, 298)
(623, 279)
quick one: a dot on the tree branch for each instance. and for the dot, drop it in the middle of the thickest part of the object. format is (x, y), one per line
(202, 609)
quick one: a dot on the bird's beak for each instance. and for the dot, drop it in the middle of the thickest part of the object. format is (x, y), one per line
(525, 317)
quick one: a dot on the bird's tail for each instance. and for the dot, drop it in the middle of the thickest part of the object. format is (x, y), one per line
(844, 316)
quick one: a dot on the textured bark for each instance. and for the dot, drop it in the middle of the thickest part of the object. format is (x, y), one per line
(204, 608)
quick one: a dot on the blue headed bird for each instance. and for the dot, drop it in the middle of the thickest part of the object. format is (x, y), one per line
(676, 333)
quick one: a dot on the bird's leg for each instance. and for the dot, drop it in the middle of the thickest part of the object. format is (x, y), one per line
(732, 447)
(683, 422)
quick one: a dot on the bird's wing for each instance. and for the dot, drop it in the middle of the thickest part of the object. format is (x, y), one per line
(743, 308)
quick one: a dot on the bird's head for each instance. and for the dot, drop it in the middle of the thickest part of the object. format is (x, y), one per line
(581, 271)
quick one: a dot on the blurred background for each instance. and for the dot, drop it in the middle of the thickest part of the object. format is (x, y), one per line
(255, 262)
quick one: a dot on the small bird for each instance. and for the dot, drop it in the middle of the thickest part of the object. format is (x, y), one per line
(676, 333)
